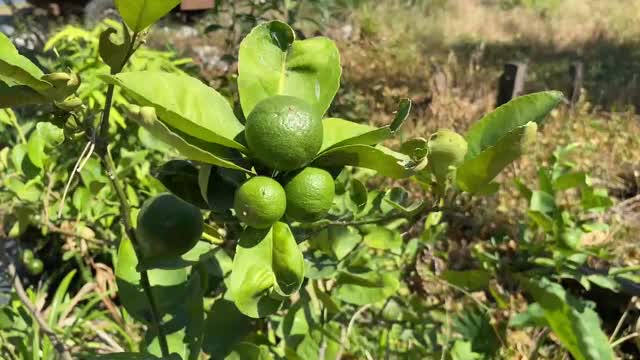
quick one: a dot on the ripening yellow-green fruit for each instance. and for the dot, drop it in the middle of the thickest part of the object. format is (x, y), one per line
(446, 148)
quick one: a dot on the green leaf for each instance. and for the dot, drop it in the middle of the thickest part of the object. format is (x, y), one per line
(249, 351)
(267, 266)
(476, 173)
(489, 131)
(576, 325)
(184, 104)
(271, 62)
(461, 350)
(179, 300)
(475, 326)
(181, 178)
(288, 263)
(183, 328)
(339, 132)
(570, 180)
(385, 161)
(202, 251)
(131, 356)
(189, 147)
(218, 187)
(16, 69)
(169, 287)
(138, 14)
(18, 95)
(532, 316)
(382, 238)
(46, 135)
(469, 279)
(112, 53)
(225, 327)
(358, 196)
(365, 288)
(404, 109)
(337, 241)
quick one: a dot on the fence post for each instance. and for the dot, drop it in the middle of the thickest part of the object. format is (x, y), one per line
(511, 83)
(576, 72)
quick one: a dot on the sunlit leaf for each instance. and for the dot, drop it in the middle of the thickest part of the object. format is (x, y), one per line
(272, 62)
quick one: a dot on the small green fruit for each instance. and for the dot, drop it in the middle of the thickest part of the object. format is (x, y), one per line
(27, 256)
(168, 226)
(446, 148)
(260, 202)
(310, 195)
(35, 266)
(283, 133)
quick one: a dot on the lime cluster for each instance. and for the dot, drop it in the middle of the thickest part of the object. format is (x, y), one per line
(284, 135)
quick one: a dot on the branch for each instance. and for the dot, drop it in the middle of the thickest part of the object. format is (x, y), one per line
(44, 328)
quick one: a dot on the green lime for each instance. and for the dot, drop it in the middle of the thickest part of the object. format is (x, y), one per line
(260, 202)
(310, 194)
(282, 132)
(168, 226)
(446, 148)
(27, 256)
(35, 266)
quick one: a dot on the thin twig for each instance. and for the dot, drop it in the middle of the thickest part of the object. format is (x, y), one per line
(623, 339)
(128, 227)
(42, 324)
(101, 148)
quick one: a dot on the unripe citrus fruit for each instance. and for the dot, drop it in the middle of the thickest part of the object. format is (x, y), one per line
(168, 226)
(27, 256)
(309, 194)
(35, 266)
(282, 132)
(260, 202)
(446, 148)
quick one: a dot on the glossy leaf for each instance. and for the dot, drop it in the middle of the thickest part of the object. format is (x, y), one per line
(267, 266)
(202, 251)
(181, 178)
(365, 288)
(184, 104)
(112, 53)
(288, 263)
(46, 135)
(169, 287)
(489, 131)
(193, 150)
(178, 296)
(476, 173)
(139, 14)
(225, 327)
(386, 162)
(576, 325)
(338, 132)
(271, 62)
(337, 241)
(184, 328)
(218, 186)
(16, 69)
(473, 280)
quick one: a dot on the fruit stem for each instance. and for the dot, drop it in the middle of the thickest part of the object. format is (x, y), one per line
(125, 217)
(125, 214)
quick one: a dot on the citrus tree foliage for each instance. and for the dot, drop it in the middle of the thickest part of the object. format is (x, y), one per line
(291, 289)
